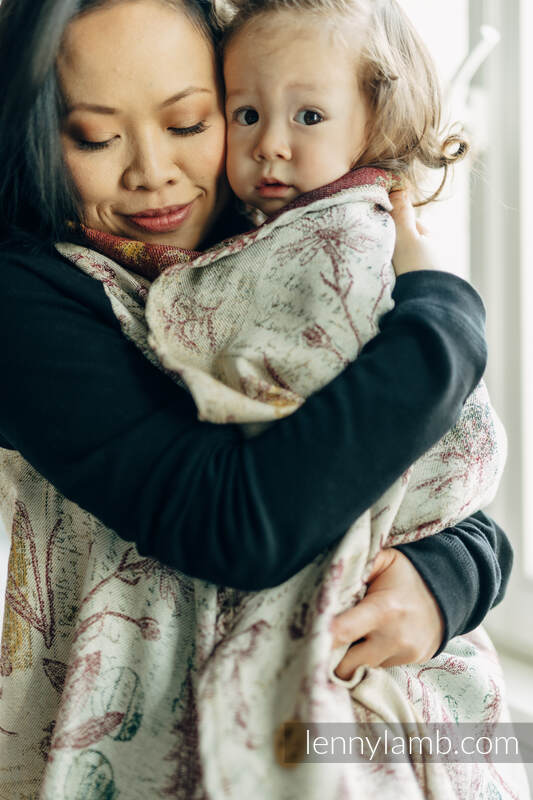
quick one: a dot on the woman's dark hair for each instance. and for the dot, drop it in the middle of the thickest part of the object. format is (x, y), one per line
(37, 197)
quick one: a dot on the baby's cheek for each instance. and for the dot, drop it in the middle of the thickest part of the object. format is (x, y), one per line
(236, 175)
(328, 165)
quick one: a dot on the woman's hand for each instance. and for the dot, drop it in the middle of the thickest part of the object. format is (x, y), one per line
(414, 249)
(398, 620)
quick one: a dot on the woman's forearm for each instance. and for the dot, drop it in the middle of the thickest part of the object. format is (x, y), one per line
(467, 569)
(116, 436)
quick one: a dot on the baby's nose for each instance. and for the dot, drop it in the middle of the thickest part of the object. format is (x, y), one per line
(272, 144)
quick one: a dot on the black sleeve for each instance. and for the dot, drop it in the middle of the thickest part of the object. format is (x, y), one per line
(467, 569)
(116, 436)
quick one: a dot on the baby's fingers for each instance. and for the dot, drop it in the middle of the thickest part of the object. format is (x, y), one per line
(422, 229)
(403, 212)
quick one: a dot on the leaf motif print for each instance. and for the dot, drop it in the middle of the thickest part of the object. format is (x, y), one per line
(46, 741)
(120, 689)
(21, 523)
(131, 572)
(41, 618)
(148, 627)
(190, 322)
(493, 702)
(332, 236)
(417, 683)
(300, 622)
(386, 278)
(21, 605)
(6, 666)
(325, 285)
(90, 777)
(276, 377)
(328, 232)
(315, 336)
(56, 672)
(89, 732)
(465, 452)
(100, 270)
(81, 677)
(187, 776)
(333, 579)
(17, 651)
(242, 647)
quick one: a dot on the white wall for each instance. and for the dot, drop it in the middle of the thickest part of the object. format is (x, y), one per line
(445, 30)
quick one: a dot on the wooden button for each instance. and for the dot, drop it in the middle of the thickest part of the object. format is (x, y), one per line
(290, 744)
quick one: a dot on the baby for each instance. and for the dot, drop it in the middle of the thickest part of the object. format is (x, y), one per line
(326, 101)
(314, 89)
(299, 110)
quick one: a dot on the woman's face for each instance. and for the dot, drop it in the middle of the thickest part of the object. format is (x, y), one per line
(143, 134)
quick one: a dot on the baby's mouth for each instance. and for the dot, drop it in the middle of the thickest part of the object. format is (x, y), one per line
(272, 187)
(270, 182)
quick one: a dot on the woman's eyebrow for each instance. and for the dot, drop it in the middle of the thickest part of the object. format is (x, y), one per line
(184, 93)
(99, 109)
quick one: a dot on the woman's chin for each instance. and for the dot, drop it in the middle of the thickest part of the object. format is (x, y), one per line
(183, 238)
(185, 241)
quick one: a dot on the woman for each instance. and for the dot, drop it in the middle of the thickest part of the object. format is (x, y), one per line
(110, 441)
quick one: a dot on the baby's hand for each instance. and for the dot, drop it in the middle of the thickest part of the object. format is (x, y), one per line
(414, 249)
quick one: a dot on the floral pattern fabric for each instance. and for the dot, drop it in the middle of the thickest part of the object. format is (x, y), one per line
(122, 678)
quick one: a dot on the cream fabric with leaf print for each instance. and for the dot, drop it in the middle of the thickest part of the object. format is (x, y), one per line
(123, 679)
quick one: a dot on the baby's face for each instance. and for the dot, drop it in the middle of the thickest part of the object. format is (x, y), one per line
(296, 118)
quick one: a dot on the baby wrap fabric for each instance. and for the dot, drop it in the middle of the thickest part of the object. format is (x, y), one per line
(122, 678)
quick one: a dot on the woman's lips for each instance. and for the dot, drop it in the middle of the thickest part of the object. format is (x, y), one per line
(161, 220)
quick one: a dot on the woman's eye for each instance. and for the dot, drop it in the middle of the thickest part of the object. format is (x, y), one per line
(308, 117)
(84, 144)
(191, 130)
(246, 116)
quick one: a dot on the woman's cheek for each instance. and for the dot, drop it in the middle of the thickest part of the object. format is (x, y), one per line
(213, 156)
(91, 176)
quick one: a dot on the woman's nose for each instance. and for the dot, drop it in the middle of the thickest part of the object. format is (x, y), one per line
(272, 143)
(152, 165)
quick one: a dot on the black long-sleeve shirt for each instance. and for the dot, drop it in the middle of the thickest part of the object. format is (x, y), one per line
(118, 437)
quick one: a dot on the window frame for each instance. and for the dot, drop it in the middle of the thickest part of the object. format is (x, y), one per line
(500, 242)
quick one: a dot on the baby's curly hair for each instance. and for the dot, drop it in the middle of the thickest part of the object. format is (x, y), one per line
(396, 75)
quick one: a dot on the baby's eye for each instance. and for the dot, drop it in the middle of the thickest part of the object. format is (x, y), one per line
(246, 116)
(308, 117)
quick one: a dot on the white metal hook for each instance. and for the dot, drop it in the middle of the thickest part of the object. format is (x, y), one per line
(473, 61)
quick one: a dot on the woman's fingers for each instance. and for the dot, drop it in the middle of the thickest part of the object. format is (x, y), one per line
(369, 652)
(367, 615)
(354, 624)
(398, 618)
